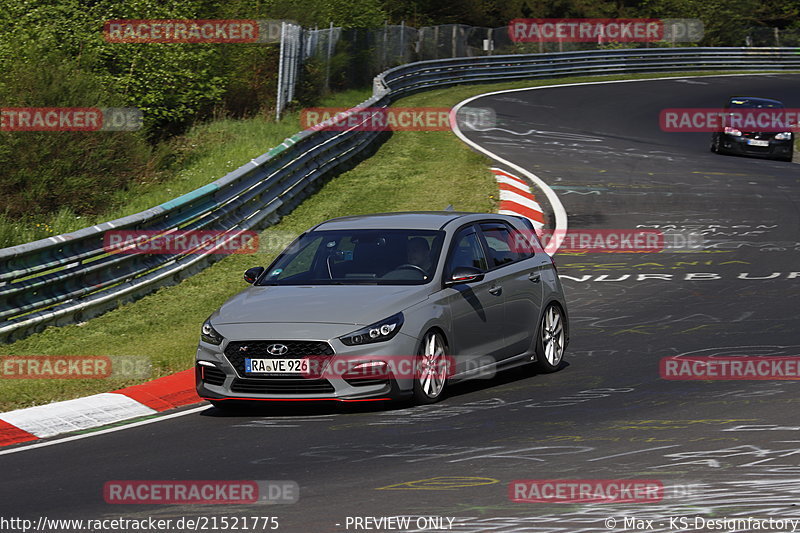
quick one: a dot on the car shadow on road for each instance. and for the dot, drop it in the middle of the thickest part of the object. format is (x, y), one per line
(287, 409)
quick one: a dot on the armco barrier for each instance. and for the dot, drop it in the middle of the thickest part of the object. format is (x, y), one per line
(70, 278)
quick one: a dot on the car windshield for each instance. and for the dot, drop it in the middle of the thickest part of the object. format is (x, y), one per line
(350, 257)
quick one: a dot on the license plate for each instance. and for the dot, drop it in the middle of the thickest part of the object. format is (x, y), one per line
(756, 142)
(275, 366)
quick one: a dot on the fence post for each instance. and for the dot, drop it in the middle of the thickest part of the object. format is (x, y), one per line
(328, 59)
(402, 42)
(279, 100)
(294, 60)
(384, 60)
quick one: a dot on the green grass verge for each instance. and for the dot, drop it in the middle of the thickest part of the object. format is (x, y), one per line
(411, 171)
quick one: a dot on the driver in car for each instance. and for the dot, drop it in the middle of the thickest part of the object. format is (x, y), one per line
(419, 253)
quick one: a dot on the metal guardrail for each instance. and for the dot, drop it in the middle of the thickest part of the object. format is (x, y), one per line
(428, 74)
(70, 278)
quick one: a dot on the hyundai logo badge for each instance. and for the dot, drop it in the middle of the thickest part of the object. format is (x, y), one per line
(277, 349)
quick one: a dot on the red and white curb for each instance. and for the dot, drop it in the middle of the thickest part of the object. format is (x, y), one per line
(516, 198)
(147, 399)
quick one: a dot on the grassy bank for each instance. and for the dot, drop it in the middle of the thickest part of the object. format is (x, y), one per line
(207, 152)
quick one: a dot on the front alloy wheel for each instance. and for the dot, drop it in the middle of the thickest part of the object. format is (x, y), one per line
(431, 369)
(550, 341)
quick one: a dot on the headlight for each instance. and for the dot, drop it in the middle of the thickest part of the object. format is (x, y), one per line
(733, 131)
(209, 334)
(377, 332)
(785, 136)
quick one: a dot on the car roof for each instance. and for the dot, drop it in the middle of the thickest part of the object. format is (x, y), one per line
(755, 100)
(421, 220)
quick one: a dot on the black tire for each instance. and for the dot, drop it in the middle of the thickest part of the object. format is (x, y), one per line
(550, 340)
(716, 145)
(431, 370)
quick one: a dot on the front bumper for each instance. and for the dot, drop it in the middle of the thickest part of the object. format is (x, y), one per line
(739, 145)
(221, 377)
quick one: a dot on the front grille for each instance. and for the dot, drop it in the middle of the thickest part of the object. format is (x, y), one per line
(296, 350)
(759, 135)
(212, 375)
(283, 385)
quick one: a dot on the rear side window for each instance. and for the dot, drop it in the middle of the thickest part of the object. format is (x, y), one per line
(505, 245)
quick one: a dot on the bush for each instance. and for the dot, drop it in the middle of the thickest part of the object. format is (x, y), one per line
(42, 172)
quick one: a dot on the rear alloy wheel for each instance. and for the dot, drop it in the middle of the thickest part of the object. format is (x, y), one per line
(431, 371)
(550, 340)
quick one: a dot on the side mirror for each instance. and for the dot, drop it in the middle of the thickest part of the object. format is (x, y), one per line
(465, 275)
(252, 274)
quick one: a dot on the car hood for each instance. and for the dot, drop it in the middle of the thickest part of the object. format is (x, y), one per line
(322, 304)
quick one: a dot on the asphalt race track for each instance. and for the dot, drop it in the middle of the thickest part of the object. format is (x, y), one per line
(720, 448)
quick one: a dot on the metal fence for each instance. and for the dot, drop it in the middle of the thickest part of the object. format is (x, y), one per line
(70, 278)
(772, 37)
(352, 57)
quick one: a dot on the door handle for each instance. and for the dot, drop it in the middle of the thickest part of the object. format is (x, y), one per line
(534, 277)
(497, 289)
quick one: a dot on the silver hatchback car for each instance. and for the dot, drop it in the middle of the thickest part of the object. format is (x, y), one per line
(385, 307)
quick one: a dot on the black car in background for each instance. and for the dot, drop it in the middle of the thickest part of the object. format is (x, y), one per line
(769, 144)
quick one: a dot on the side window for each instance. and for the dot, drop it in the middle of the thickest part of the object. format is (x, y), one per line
(467, 251)
(506, 245)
